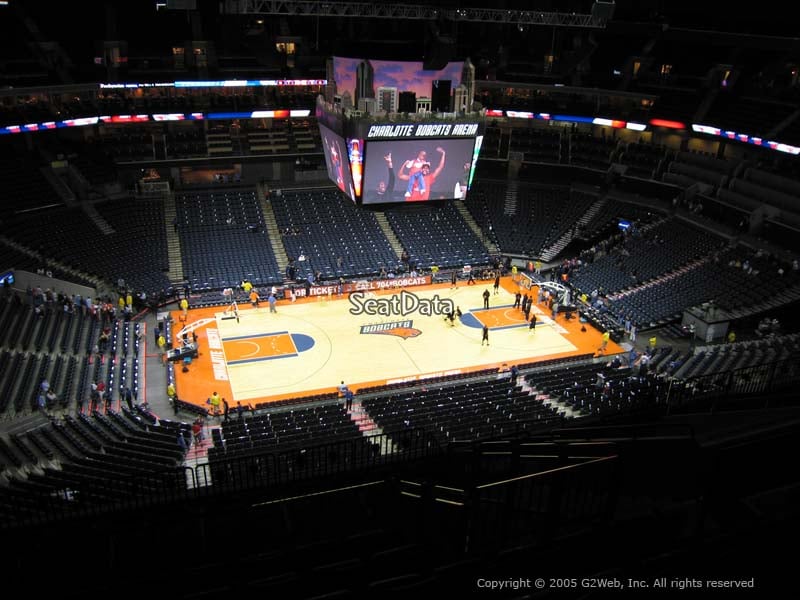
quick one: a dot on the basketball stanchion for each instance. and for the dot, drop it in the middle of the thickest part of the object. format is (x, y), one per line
(232, 312)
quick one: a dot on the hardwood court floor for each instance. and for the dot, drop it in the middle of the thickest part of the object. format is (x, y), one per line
(309, 346)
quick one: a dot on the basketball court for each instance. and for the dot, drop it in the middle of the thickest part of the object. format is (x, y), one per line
(309, 346)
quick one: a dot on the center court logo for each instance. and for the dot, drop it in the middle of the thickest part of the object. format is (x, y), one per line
(401, 329)
(399, 305)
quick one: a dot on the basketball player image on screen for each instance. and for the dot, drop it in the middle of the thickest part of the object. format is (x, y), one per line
(418, 174)
(336, 165)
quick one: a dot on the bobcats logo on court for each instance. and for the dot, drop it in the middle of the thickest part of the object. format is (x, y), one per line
(401, 329)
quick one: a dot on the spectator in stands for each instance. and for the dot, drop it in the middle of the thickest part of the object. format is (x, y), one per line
(348, 400)
(225, 409)
(653, 343)
(197, 430)
(162, 347)
(240, 409)
(644, 364)
(514, 374)
(102, 341)
(94, 398)
(172, 395)
(600, 382)
(731, 337)
(127, 395)
(632, 356)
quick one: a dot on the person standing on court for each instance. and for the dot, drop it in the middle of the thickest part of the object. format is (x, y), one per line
(532, 326)
(604, 342)
(497, 284)
(453, 279)
(486, 295)
(272, 303)
(485, 337)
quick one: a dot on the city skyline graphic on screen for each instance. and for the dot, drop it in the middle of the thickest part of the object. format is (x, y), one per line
(404, 76)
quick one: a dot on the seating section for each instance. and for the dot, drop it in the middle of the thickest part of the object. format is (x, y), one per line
(11, 258)
(466, 411)
(738, 280)
(714, 360)
(580, 387)
(643, 160)
(186, 141)
(523, 217)
(58, 339)
(606, 219)
(223, 238)
(436, 235)
(323, 226)
(24, 188)
(70, 236)
(139, 243)
(87, 459)
(285, 429)
(586, 150)
(645, 255)
(538, 145)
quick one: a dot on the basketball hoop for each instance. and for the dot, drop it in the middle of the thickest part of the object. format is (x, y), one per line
(233, 309)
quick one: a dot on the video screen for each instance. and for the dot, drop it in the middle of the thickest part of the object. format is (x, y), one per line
(336, 158)
(417, 170)
(386, 80)
(356, 159)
